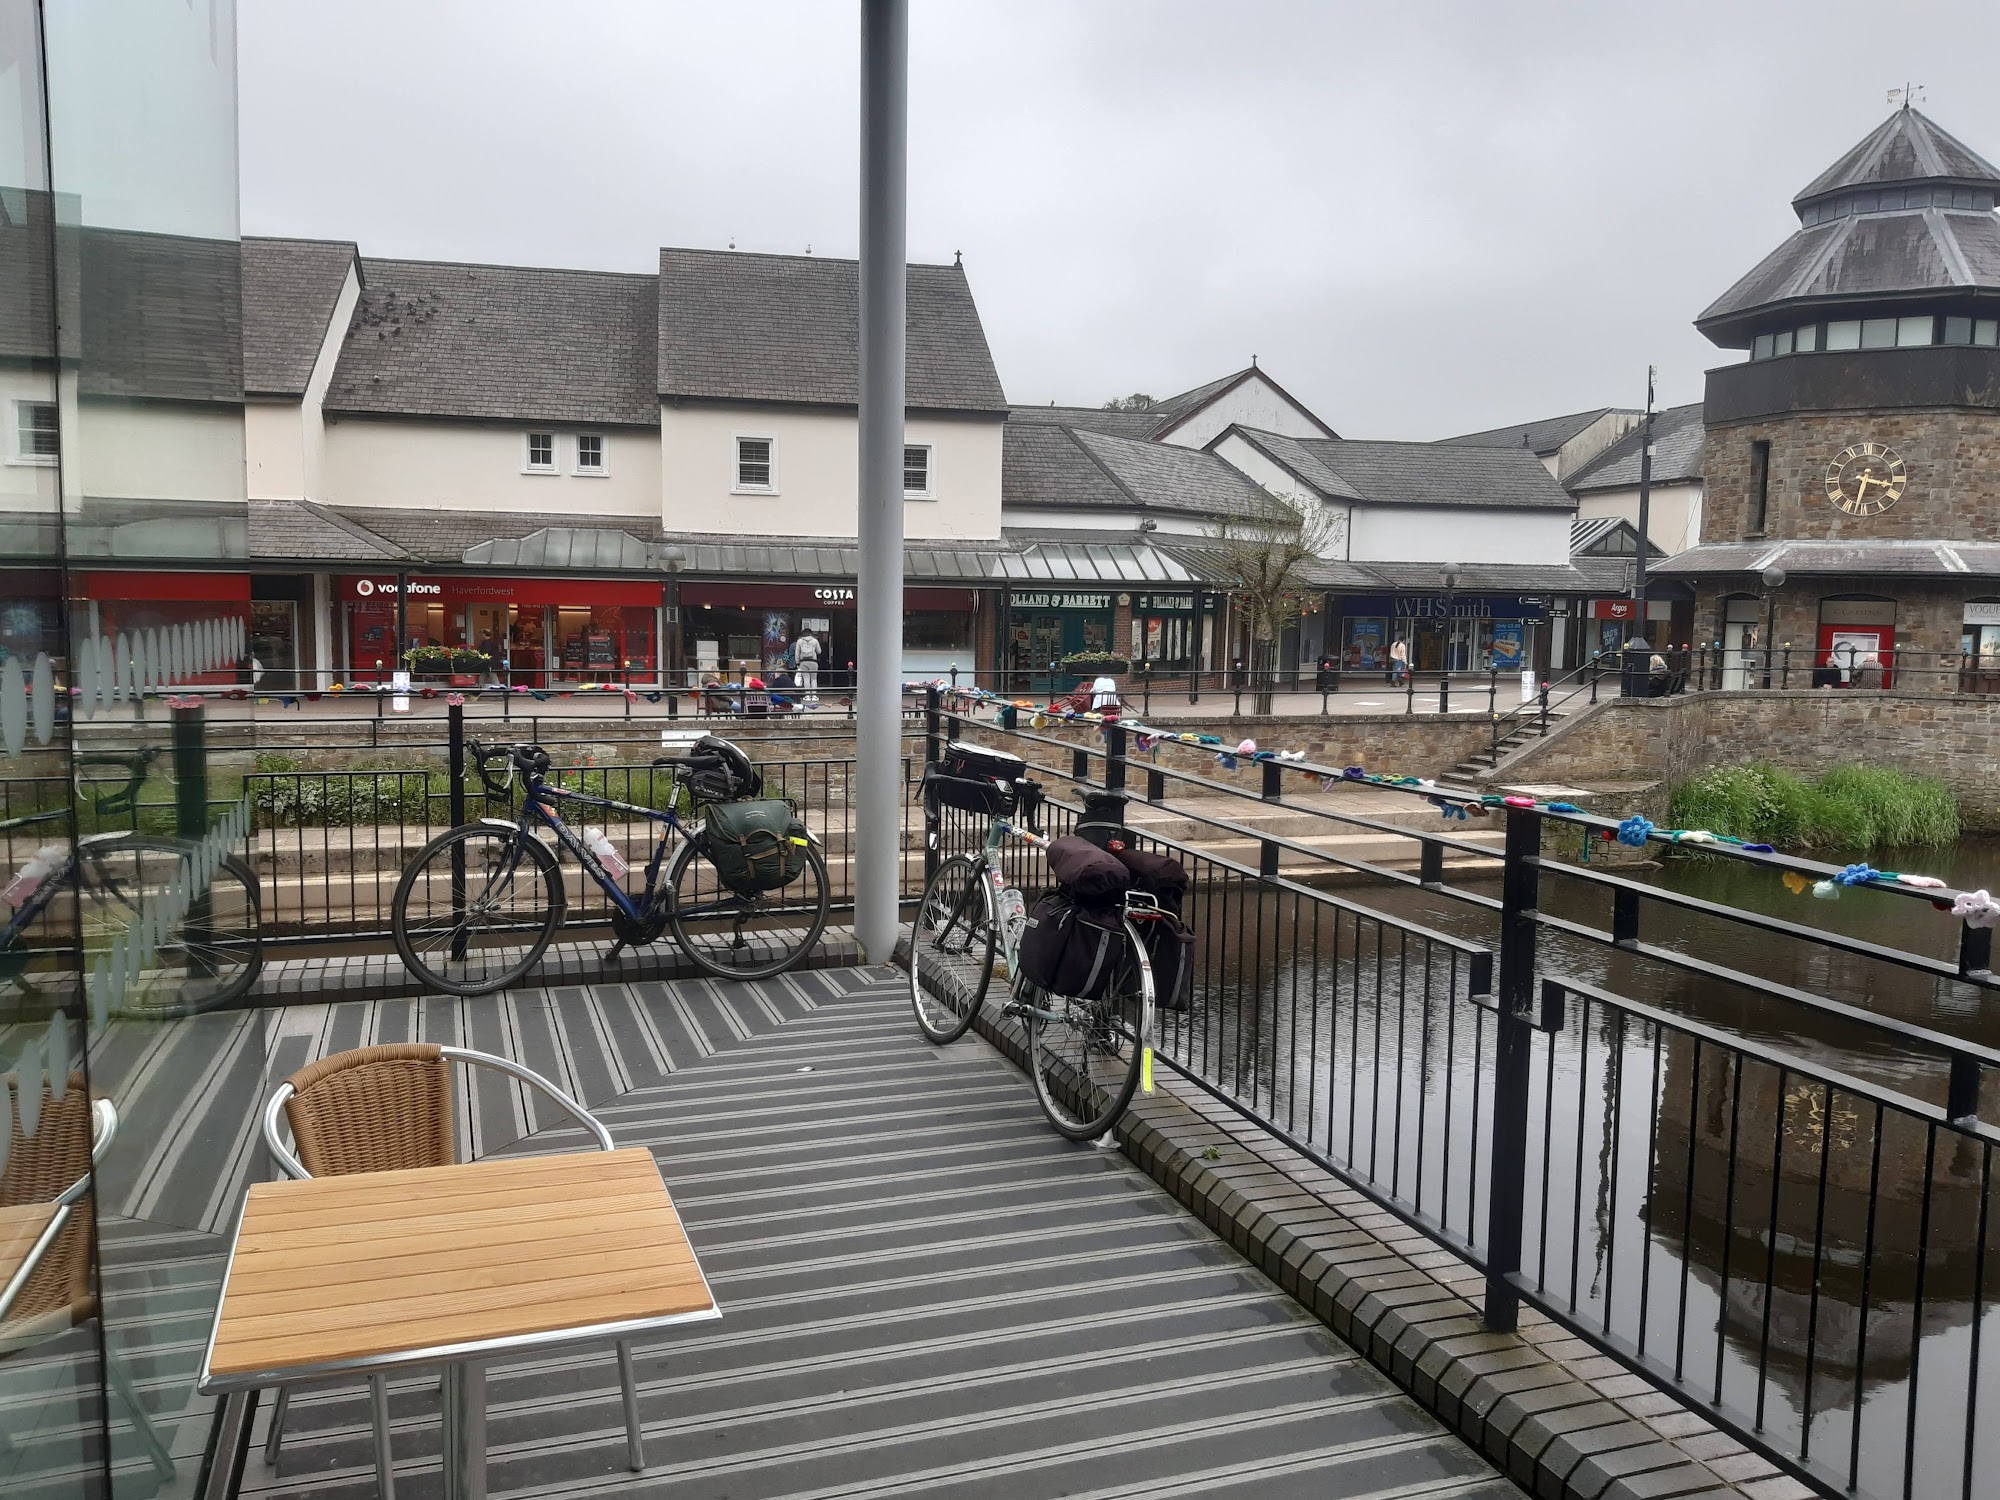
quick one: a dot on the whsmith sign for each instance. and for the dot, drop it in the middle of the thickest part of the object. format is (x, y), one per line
(1455, 606)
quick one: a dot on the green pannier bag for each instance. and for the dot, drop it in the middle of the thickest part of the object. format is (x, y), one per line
(756, 846)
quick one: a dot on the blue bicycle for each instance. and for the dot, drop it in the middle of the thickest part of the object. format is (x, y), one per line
(477, 907)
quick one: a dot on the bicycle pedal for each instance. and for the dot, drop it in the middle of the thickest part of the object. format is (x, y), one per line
(611, 957)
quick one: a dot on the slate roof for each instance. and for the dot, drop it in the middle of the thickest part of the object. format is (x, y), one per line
(1677, 439)
(161, 315)
(514, 343)
(1586, 532)
(733, 326)
(1918, 559)
(444, 535)
(305, 530)
(290, 289)
(1044, 465)
(1126, 424)
(1578, 577)
(1906, 213)
(1540, 438)
(1429, 474)
(27, 313)
(1907, 147)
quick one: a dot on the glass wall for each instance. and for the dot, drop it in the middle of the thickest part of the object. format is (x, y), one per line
(127, 922)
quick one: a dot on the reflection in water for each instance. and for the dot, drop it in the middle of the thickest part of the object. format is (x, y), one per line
(1771, 1233)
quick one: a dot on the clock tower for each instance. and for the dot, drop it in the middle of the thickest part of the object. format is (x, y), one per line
(1852, 461)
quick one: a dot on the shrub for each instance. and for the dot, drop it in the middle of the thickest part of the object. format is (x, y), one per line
(1855, 809)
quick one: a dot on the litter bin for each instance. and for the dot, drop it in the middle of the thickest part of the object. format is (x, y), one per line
(1635, 671)
(1327, 678)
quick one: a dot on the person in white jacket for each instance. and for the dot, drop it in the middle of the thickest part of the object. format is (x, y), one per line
(805, 665)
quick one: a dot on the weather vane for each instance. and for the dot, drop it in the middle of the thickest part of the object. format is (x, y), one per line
(1909, 94)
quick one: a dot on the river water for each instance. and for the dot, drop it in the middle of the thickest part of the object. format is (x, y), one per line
(1773, 1231)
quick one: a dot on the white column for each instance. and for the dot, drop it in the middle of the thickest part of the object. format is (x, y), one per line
(878, 814)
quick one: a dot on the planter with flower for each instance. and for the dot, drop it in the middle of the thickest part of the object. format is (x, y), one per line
(461, 666)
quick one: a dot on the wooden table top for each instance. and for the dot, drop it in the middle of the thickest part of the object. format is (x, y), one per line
(21, 1224)
(333, 1271)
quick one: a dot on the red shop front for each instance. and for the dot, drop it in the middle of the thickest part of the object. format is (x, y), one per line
(130, 604)
(534, 632)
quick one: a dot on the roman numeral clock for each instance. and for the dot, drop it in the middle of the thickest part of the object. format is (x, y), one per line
(1865, 479)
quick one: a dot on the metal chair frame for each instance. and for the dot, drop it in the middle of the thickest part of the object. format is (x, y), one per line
(635, 1449)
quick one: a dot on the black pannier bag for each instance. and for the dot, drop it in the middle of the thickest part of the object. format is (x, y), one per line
(756, 846)
(1070, 948)
(1160, 876)
(970, 762)
(1086, 871)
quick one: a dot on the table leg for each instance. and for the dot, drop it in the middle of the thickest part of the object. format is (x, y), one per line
(465, 1431)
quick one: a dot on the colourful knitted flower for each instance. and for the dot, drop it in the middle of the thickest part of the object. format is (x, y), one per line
(1855, 875)
(1634, 830)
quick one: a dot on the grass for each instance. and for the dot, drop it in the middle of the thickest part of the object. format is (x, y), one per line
(1855, 809)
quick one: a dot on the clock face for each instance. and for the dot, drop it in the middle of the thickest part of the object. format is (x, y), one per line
(1866, 479)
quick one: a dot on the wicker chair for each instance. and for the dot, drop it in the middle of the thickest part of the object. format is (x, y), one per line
(381, 1109)
(52, 1292)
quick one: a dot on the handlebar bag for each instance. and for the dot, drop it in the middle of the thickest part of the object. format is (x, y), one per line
(756, 846)
(1086, 871)
(966, 793)
(1103, 820)
(978, 763)
(1070, 947)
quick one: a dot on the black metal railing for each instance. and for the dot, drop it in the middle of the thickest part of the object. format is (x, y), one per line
(1786, 1230)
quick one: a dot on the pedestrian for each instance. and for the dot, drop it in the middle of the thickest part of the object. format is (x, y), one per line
(1399, 662)
(805, 662)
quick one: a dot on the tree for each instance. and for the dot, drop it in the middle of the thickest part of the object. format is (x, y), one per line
(1266, 565)
(1137, 401)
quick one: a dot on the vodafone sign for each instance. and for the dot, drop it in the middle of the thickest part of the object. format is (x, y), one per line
(365, 588)
(563, 592)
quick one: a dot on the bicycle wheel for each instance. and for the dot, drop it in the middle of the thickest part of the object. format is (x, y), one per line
(951, 948)
(476, 908)
(736, 936)
(206, 958)
(1087, 1055)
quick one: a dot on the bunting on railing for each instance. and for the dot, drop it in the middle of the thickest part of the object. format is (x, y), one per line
(1635, 831)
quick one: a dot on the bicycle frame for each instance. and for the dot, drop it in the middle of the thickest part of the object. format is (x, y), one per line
(535, 808)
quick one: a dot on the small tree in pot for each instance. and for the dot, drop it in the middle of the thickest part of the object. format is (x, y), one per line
(1265, 565)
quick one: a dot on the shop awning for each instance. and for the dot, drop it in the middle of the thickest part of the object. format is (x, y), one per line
(1920, 559)
(574, 548)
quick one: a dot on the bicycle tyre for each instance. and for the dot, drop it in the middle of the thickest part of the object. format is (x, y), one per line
(710, 922)
(186, 974)
(1086, 1055)
(947, 1006)
(481, 969)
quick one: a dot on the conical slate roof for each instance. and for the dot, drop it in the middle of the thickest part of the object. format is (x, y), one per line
(1907, 147)
(1906, 215)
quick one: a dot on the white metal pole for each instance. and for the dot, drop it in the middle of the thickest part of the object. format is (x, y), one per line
(878, 807)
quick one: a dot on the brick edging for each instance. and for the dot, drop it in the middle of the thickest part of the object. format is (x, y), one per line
(1562, 1421)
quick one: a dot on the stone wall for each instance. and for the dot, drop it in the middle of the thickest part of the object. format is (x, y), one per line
(1806, 732)
(1951, 458)
(1929, 613)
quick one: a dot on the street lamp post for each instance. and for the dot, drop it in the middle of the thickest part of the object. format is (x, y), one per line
(1449, 575)
(673, 560)
(1774, 579)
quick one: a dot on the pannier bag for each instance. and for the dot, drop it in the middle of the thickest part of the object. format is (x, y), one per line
(977, 763)
(1086, 871)
(726, 776)
(1069, 948)
(1170, 949)
(756, 846)
(1160, 876)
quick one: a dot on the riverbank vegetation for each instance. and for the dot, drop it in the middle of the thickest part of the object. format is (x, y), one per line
(1851, 809)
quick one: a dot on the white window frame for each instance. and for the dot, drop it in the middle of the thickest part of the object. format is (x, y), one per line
(929, 491)
(602, 468)
(736, 484)
(16, 453)
(528, 464)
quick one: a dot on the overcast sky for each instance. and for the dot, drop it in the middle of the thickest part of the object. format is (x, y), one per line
(1423, 218)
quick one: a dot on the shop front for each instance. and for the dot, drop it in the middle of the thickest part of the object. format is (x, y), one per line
(530, 632)
(730, 629)
(1167, 631)
(130, 604)
(1457, 632)
(1043, 627)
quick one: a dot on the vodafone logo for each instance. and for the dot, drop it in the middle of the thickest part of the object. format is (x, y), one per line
(364, 586)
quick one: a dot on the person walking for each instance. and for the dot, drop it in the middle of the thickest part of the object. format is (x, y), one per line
(805, 665)
(1399, 662)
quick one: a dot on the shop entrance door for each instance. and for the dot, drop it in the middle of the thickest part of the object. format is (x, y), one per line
(1045, 646)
